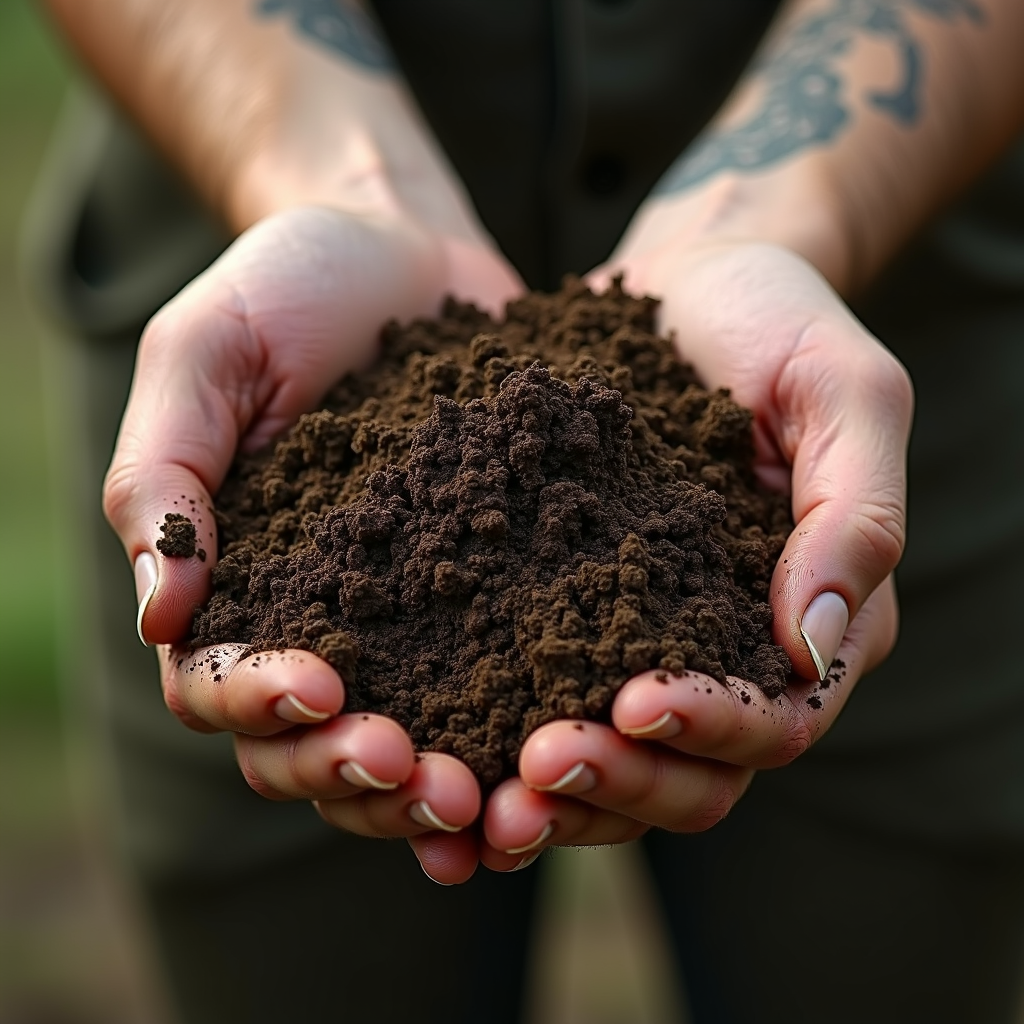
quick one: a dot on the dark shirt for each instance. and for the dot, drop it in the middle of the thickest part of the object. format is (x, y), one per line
(561, 115)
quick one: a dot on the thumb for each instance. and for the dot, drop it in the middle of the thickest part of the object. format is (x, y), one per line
(171, 570)
(845, 406)
(176, 442)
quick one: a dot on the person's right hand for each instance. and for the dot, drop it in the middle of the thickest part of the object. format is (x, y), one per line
(294, 303)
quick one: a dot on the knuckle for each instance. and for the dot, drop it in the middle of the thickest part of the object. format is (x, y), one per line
(796, 740)
(882, 531)
(120, 487)
(160, 331)
(890, 382)
(716, 804)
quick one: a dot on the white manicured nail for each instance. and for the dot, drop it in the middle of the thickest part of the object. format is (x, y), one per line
(423, 814)
(578, 779)
(663, 728)
(145, 586)
(823, 627)
(291, 709)
(354, 773)
(527, 861)
(529, 847)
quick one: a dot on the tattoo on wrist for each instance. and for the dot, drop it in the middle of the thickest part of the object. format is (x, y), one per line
(340, 25)
(803, 103)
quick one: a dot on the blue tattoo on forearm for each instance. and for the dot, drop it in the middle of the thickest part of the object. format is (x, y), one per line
(338, 24)
(803, 103)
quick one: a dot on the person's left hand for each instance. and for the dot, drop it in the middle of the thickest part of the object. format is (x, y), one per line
(832, 413)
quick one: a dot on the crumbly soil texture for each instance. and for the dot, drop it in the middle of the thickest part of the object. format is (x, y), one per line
(501, 523)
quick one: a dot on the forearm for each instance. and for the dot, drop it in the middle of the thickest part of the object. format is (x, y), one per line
(261, 112)
(854, 125)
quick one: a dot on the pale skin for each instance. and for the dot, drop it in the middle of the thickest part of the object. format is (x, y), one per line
(348, 214)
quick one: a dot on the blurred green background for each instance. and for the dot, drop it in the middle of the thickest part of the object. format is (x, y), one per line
(69, 951)
(33, 76)
(63, 932)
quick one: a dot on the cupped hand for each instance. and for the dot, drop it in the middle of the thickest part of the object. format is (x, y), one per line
(832, 419)
(294, 303)
(292, 743)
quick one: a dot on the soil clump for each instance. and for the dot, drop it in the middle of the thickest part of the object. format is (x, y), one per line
(179, 537)
(503, 522)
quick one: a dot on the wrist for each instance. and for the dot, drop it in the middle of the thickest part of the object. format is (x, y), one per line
(797, 208)
(380, 168)
(274, 178)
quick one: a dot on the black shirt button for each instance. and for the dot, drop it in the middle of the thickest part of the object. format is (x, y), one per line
(604, 174)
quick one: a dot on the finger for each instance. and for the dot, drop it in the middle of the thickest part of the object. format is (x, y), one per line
(446, 858)
(645, 781)
(520, 823)
(441, 794)
(349, 754)
(227, 688)
(844, 426)
(736, 723)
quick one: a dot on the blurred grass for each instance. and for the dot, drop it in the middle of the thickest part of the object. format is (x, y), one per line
(33, 75)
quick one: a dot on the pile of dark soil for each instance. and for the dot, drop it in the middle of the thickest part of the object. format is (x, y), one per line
(503, 522)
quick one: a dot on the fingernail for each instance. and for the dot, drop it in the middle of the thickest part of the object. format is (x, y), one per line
(526, 861)
(663, 728)
(578, 779)
(432, 878)
(542, 838)
(145, 585)
(357, 775)
(823, 627)
(291, 709)
(423, 814)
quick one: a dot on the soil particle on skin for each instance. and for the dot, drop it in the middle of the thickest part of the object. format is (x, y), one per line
(179, 537)
(503, 522)
(837, 670)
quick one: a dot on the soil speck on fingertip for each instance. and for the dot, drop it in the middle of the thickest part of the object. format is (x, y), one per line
(179, 536)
